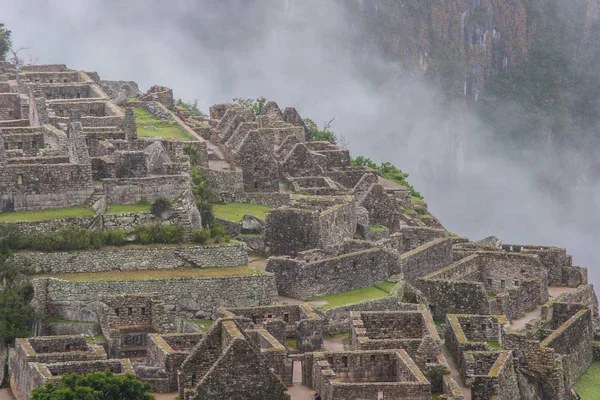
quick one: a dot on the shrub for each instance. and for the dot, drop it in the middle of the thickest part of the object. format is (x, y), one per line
(217, 230)
(115, 237)
(160, 206)
(200, 236)
(193, 153)
(95, 386)
(207, 214)
(256, 105)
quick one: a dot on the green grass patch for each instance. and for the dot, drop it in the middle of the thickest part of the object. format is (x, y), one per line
(438, 322)
(495, 345)
(417, 201)
(166, 130)
(410, 211)
(378, 228)
(377, 291)
(491, 296)
(143, 206)
(235, 211)
(47, 215)
(339, 335)
(424, 216)
(292, 343)
(204, 324)
(587, 386)
(144, 275)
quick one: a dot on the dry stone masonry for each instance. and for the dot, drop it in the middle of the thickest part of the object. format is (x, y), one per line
(481, 320)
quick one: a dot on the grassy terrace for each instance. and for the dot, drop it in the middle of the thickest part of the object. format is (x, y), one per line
(235, 211)
(587, 386)
(128, 208)
(47, 215)
(145, 275)
(377, 291)
(166, 130)
(204, 324)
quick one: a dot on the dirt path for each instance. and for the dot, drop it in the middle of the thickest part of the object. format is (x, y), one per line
(554, 291)
(456, 374)
(334, 344)
(166, 396)
(5, 394)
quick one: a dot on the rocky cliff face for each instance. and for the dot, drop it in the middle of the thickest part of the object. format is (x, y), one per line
(462, 43)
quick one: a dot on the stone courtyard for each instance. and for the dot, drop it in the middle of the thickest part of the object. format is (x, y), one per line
(358, 296)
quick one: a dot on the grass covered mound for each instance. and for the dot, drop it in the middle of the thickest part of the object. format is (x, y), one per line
(377, 291)
(235, 211)
(146, 124)
(145, 275)
(47, 215)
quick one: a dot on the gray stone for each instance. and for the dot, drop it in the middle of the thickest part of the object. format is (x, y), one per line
(251, 224)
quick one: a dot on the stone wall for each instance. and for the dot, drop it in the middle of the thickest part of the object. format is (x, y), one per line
(40, 186)
(426, 259)
(27, 144)
(10, 106)
(190, 297)
(149, 258)
(228, 186)
(414, 236)
(131, 191)
(301, 279)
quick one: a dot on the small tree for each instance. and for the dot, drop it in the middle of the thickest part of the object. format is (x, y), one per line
(95, 386)
(5, 42)
(16, 314)
(321, 135)
(256, 105)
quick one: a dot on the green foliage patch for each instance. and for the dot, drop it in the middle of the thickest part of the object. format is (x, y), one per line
(95, 386)
(191, 108)
(387, 170)
(321, 135)
(257, 105)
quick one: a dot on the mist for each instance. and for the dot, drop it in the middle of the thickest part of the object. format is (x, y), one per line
(303, 54)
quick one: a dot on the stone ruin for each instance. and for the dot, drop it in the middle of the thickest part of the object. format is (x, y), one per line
(464, 319)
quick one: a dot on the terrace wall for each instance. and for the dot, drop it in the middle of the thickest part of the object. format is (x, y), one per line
(301, 279)
(426, 259)
(150, 258)
(131, 191)
(189, 297)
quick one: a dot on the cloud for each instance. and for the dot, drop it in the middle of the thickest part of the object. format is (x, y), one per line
(303, 54)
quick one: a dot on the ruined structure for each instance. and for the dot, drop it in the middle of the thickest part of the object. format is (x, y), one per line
(449, 318)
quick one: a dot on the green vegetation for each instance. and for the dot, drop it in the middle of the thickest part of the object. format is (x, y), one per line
(553, 93)
(235, 211)
(204, 324)
(491, 296)
(146, 275)
(378, 228)
(161, 206)
(140, 207)
(495, 345)
(291, 343)
(321, 135)
(377, 291)
(47, 215)
(257, 105)
(438, 322)
(165, 129)
(16, 314)
(192, 108)
(99, 339)
(5, 42)
(587, 386)
(72, 238)
(388, 171)
(95, 386)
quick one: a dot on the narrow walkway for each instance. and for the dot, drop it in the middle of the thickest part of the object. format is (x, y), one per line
(6, 394)
(334, 344)
(301, 392)
(456, 373)
(554, 291)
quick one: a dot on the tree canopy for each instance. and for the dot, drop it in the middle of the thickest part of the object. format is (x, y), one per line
(95, 386)
(5, 43)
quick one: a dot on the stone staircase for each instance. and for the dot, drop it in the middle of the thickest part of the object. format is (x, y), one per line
(98, 199)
